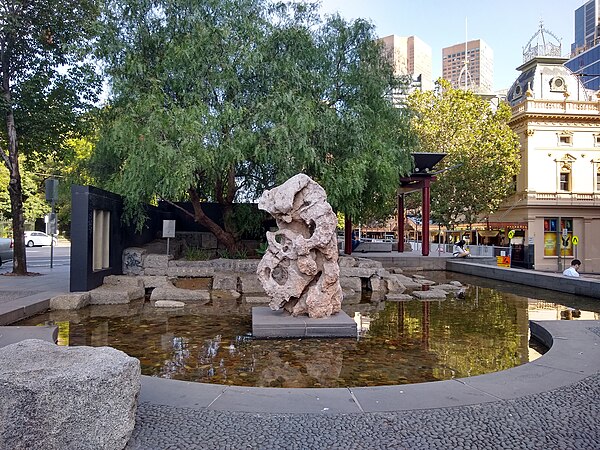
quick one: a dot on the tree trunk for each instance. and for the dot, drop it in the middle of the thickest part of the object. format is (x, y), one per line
(223, 237)
(15, 189)
(16, 194)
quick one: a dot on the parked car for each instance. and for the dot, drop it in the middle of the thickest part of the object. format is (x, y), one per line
(6, 250)
(38, 238)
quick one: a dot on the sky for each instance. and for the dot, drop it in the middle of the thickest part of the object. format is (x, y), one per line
(506, 26)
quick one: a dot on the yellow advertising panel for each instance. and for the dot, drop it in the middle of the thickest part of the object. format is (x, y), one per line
(503, 261)
(550, 244)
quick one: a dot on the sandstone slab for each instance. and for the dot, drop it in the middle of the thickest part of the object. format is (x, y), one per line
(168, 304)
(433, 294)
(114, 295)
(74, 300)
(178, 294)
(398, 297)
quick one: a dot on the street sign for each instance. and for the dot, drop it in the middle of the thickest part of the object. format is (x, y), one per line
(565, 232)
(51, 189)
(511, 234)
(575, 240)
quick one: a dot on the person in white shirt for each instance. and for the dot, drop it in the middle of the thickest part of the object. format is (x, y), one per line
(458, 251)
(573, 270)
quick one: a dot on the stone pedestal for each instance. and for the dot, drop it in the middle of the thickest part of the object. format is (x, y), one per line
(267, 324)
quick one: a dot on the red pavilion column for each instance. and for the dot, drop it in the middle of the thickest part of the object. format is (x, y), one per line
(347, 235)
(400, 226)
(425, 223)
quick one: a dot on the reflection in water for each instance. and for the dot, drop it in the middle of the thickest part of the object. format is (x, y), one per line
(482, 330)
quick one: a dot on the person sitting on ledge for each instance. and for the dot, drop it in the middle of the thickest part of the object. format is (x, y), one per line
(458, 251)
(573, 270)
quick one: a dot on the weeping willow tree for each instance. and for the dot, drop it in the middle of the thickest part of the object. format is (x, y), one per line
(221, 99)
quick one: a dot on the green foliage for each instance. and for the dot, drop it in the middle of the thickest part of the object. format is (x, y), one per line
(464, 125)
(247, 220)
(238, 254)
(197, 254)
(51, 79)
(34, 200)
(262, 249)
(221, 99)
(48, 82)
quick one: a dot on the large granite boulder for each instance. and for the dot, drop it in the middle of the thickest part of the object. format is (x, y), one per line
(54, 397)
(300, 270)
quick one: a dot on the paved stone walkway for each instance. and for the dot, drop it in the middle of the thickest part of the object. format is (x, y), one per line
(562, 418)
(566, 418)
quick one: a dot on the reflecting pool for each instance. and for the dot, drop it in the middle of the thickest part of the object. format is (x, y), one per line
(482, 329)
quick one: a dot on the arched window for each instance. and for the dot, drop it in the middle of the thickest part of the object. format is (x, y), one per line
(565, 177)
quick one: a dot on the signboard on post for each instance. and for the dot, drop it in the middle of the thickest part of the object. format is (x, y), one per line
(168, 229)
(51, 190)
(511, 234)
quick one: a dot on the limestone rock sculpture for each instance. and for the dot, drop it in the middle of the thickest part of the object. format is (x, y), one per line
(300, 270)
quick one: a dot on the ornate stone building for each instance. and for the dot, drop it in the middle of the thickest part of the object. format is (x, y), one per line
(556, 203)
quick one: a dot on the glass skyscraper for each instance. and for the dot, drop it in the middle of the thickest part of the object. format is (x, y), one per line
(585, 51)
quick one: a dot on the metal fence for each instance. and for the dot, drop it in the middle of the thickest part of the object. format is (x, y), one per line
(475, 250)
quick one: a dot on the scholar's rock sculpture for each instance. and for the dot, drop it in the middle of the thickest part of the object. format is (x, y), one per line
(300, 270)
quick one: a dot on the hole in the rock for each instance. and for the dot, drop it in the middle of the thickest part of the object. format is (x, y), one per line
(280, 275)
(311, 227)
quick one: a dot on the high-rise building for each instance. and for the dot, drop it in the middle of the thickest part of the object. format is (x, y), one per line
(586, 27)
(469, 65)
(410, 56)
(585, 51)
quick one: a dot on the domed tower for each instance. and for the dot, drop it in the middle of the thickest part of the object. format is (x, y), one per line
(543, 74)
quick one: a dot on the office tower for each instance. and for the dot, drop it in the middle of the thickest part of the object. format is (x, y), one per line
(473, 71)
(410, 56)
(586, 27)
(585, 51)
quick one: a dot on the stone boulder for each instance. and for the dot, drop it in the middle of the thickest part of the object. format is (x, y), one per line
(56, 398)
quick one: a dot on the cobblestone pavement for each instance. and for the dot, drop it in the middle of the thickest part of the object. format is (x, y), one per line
(565, 418)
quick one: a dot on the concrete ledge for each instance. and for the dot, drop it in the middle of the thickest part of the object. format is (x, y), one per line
(268, 324)
(556, 282)
(21, 308)
(574, 355)
(11, 335)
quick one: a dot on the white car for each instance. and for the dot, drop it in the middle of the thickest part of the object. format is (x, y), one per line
(33, 238)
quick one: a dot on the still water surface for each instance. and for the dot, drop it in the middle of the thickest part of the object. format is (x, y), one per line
(482, 330)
